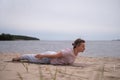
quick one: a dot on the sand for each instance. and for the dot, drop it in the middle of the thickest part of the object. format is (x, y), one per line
(84, 68)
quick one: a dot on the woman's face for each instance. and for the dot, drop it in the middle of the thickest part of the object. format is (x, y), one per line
(81, 47)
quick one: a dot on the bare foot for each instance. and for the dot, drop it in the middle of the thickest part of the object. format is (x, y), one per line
(16, 59)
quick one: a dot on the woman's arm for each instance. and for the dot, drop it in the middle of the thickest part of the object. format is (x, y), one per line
(57, 55)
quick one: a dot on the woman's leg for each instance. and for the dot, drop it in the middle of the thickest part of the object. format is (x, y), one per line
(44, 61)
(31, 58)
(22, 57)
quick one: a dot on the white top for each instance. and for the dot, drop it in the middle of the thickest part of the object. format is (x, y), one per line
(68, 57)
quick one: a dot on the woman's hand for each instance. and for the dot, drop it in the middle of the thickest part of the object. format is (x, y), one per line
(38, 56)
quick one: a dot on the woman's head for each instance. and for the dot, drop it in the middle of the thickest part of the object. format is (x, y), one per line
(79, 44)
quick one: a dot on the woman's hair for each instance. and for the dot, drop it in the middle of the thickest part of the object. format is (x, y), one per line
(77, 42)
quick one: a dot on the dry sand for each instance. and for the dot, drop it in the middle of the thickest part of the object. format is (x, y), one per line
(84, 68)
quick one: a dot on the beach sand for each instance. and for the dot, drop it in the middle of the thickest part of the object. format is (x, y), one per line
(84, 68)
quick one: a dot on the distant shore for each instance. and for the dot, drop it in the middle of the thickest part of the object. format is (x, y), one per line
(10, 37)
(84, 68)
(116, 40)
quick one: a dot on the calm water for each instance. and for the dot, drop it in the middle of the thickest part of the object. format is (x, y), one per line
(93, 48)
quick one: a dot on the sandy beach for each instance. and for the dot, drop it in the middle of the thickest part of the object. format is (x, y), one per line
(84, 68)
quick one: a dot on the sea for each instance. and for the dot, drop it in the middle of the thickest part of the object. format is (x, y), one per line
(93, 48)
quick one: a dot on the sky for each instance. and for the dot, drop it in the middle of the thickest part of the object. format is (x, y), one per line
(61, 19)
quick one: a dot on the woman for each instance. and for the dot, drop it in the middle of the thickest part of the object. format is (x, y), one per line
(63, 57)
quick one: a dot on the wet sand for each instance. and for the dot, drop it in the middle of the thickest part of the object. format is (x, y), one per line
(84, 68)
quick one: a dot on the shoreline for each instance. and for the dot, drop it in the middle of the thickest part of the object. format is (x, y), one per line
(84, 68)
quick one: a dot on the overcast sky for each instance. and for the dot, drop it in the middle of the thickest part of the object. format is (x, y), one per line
(61, 19)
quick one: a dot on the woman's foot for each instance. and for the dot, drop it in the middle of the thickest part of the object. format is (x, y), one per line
(16, 59)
